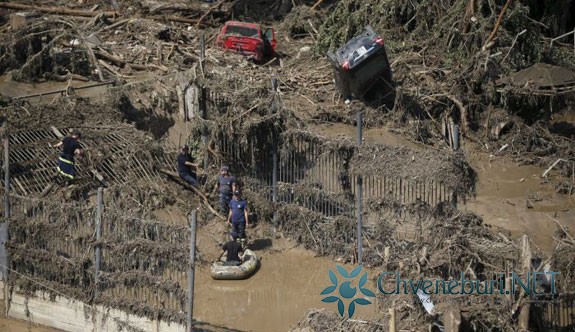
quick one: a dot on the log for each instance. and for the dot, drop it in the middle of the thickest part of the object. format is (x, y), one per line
(110, 69)
(497, 24)
(217, 5)
(121, 62)
(69, 76)
(147, 67)
(88, 13)
(111, 58)
(195, 190)
(172, 7)
(173, 19)
(54, 10)
(115, 25)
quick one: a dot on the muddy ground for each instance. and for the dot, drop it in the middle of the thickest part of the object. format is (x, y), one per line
(512, 129)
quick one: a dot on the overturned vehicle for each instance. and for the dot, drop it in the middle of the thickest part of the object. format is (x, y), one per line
(361, 68)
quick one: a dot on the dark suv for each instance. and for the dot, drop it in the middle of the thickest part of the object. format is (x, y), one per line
(360, 64)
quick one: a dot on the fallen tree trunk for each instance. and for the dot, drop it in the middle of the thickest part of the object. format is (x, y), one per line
(173, 19)
(121, 62)
(55, 10)
(194, 189)
(87, 13)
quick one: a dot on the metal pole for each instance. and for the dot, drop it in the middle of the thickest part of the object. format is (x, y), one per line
(359, 194)
(203, 105)
(275, 173)
(6, 142)
(191, 270)
(98, 236)
(202, 47)
(4, 224)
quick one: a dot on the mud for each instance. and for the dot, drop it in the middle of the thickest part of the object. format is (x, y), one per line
(518, 199)
(286, 286)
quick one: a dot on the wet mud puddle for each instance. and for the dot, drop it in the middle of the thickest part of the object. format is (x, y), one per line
(518, 199)
(286, 286)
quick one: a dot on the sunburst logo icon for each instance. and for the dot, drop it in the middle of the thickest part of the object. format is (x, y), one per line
(345, 291)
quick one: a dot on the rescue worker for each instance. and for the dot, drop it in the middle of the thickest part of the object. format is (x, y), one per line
(226, 186)
(187, 167)
(70, 148)
(232, 249)
(238, 216)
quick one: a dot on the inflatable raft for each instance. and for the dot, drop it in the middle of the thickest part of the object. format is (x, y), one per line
(243, 271)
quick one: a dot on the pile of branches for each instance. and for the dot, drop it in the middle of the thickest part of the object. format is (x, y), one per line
(450, 243)
(451, 169)
(320, 320)
(536, 144)
(563, 258)
(446, 57)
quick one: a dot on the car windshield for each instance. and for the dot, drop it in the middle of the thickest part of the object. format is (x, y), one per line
(242, 31)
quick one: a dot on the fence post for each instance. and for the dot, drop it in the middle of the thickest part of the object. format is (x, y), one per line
(4, 225)
(392, 319)
(99, 207)
(191, 270)
(359, 192)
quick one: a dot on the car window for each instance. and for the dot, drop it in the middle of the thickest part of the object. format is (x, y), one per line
(242, 31)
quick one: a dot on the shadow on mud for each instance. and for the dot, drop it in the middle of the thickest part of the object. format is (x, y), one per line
(207, 327)
(146, 119)
(261, 244)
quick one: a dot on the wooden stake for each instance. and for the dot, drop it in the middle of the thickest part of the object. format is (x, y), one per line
(526, 259)
(392, 319)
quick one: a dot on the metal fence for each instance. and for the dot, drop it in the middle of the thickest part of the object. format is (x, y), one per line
(299, 169)
(142, 264)
(556, 313)
(33, 161)
(306, 173)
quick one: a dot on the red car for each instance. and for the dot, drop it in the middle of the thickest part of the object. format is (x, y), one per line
(248, 39)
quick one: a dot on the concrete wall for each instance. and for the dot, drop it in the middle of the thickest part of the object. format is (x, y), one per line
(76, 316)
